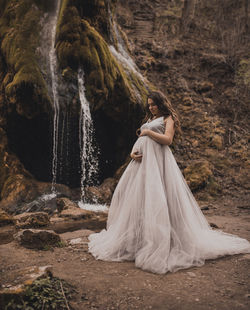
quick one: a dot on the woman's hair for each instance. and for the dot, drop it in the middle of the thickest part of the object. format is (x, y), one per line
(165, 107)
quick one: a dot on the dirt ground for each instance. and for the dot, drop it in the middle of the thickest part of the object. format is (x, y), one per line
(219, 284)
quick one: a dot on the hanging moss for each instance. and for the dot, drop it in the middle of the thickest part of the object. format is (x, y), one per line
(80, 44)
(19, 28)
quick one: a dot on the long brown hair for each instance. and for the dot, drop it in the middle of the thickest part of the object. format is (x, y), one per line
(165, 107)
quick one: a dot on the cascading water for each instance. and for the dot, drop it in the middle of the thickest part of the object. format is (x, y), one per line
(49, 69)
(88, 153)
(121, 54)
(54, 81)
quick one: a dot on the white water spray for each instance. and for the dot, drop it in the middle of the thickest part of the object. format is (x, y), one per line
(88, 154)
(122, 55)
(54, 86)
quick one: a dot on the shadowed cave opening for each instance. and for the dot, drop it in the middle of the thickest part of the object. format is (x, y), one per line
(32, 141)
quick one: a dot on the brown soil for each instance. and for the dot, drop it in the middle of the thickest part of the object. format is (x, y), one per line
(219, 284)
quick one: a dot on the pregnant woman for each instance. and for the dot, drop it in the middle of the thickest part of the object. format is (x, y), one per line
(153, 218)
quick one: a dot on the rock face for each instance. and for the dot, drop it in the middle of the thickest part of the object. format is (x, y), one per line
(199, 66)
(32, 220)
(38, 239)
(83, 40)
(5, 218)
(191, 52)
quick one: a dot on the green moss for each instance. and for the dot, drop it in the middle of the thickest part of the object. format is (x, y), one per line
(45, 293)
(80, 45)
(19, 29)
(198, 174)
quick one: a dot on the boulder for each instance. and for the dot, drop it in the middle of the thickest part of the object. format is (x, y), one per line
(103, 193)
(70, 210)
(32, 220)
(64, 204)
(37, 239)
(76, 214)
(5, 218)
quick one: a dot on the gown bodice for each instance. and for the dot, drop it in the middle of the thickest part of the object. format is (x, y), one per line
(156, 125)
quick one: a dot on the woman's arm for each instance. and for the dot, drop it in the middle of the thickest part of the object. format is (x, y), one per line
(167, 137)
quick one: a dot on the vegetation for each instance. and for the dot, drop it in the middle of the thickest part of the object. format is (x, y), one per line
(44, 294)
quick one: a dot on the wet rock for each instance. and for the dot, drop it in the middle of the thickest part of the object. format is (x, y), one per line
(37, 239)
(44, 203)
(35, 198)
(5, 218)
(64, 204)
(32, 220)
(76, 214)
(102, 193)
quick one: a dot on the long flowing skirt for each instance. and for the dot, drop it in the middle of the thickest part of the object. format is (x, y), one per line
(155, 220)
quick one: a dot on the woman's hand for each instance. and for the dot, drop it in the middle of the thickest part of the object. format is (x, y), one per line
(145, 132)
(136, 156)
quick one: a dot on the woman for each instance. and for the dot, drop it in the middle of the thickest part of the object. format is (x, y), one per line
(153, 217)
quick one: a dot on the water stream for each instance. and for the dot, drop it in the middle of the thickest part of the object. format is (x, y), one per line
(88, 150)
(119, 50)
(88, 153)
(56, 106)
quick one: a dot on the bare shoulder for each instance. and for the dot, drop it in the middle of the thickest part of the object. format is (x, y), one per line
(169, 120)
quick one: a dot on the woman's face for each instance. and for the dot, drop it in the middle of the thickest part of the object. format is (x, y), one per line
(153, 108)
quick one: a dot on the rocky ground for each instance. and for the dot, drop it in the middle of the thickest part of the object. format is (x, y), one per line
(219, 284)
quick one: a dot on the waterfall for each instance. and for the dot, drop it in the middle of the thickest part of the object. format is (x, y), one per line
(88, 154)
(121, 53)
(54, 86)
(48, 62)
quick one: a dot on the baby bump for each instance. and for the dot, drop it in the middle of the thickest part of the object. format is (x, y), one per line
(138, 146)
(146, 144)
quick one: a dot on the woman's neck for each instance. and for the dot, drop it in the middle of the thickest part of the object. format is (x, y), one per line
(156, 116)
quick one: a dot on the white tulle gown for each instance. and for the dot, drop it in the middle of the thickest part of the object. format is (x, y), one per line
(155, 220)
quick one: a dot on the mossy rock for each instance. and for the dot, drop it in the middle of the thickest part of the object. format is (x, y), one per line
(80, 44)
(198, 174)
(23, 83)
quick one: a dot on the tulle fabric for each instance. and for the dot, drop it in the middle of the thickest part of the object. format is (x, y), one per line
(154, 219)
